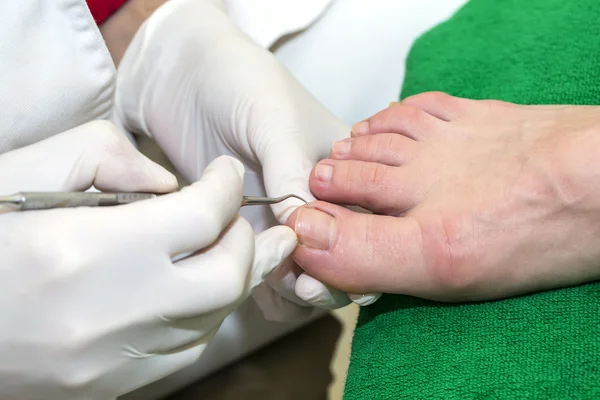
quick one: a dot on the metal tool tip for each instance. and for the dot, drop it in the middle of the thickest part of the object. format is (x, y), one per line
(253, 200)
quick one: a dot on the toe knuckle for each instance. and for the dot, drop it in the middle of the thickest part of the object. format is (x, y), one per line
(449, 258)
(372, 174)
(348, 174)
(432, 97)
(379, 175)
(410, 112)
(450, 277)
(365, 174)
(398, 119)
(374, 146)
(380, 122)
(389, 143)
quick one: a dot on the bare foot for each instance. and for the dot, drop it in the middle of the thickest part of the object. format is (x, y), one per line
(482, 200)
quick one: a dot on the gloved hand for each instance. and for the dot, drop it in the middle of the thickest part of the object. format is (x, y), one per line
(92, 305)
(197, 85)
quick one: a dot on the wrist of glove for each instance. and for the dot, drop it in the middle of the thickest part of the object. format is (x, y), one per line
(93, 304)
(201, 88)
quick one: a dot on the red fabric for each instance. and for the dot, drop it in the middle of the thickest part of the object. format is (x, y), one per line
(102, 9)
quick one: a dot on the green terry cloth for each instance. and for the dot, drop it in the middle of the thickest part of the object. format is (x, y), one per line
(541, 346)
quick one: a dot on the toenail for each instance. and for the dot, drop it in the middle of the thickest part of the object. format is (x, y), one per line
(361, 128)
(315, 229)
(342, 147)
(324, 172)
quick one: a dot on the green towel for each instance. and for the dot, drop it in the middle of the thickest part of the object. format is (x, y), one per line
(540, 346)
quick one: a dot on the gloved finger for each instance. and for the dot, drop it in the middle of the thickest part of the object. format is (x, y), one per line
(288, 294)
(214, 279)
(306, 292)
(96, 153)
(291, 283)
(286, 170)
(153, 367)
(283, 281)
(278, 308)
(193, 218)
(317, 294)
(364, 299)
(272, 247)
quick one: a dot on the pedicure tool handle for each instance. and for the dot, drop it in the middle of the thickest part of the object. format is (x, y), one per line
(49, 200)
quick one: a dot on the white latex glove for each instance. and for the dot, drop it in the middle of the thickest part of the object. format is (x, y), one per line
(201, 88)
(91, 304)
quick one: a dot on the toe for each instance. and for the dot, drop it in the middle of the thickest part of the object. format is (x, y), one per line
(441, 105)
(385, 148)
(406, 120)
(359, 253)
(376, 187)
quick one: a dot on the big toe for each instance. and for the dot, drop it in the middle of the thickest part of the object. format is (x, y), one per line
(358, 253)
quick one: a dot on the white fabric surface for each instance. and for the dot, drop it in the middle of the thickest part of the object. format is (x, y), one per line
(266, 21)
(55, 68)
(352, 58)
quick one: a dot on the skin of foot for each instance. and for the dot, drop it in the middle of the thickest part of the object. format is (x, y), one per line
(471, 200)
